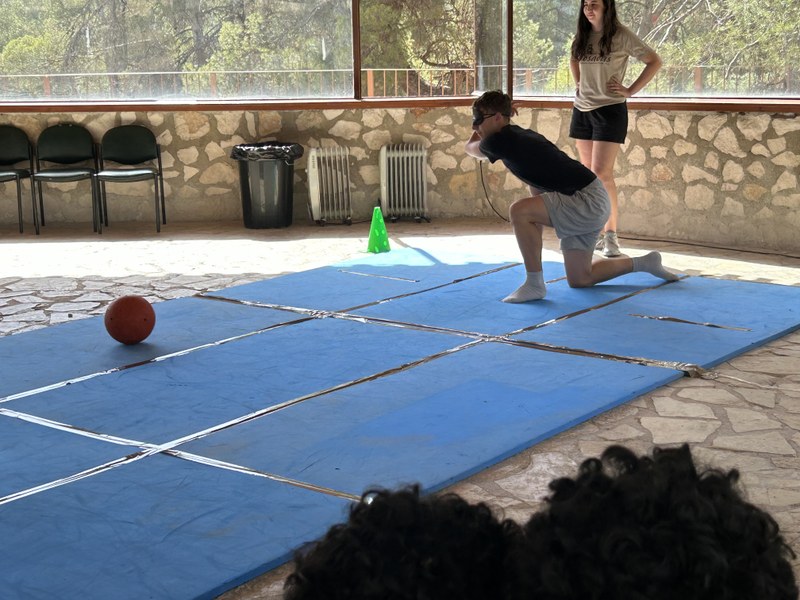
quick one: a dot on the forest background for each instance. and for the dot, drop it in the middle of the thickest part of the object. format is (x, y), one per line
(199, 49)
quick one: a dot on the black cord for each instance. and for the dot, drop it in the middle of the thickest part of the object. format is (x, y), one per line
(486, 193)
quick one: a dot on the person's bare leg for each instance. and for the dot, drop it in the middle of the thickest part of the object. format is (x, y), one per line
(582, 271)
(585, 152)
(603, 157)
(528, 217)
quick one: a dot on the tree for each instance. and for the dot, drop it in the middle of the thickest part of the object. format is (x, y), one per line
(286, 36)
(270, 48)
(431, 40)
(737, 46)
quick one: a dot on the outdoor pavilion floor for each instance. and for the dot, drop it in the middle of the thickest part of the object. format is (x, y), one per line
(69, 273)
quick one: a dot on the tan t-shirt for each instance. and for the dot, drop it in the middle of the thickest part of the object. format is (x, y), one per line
(596, 70)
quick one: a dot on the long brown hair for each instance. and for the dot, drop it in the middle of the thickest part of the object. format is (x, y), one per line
(610, 26)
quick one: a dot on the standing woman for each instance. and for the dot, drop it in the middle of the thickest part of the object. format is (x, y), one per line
(599, 124)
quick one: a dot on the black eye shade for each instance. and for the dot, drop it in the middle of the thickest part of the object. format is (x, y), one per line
(478, 117)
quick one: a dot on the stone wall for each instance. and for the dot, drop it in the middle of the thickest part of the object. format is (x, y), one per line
(728, 179)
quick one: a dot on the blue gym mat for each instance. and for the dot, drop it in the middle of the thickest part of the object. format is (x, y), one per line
(699, 321)
(172, 398)
(435, 424)
(160, 528)
(79, 348)
(363, 280)
(473, 305)
(32, 455)
(251, 418)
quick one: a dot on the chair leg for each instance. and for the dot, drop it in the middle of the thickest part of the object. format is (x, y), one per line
(97, 216)
(41, 203)
(19, 202)
(94, 212)
(101, 213)
(33, 205)
(103, 202)
(161, 193)
(155, 195)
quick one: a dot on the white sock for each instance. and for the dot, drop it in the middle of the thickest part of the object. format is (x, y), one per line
(651, 263)
(533, 289)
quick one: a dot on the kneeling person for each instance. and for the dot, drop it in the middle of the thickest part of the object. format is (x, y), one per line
(565, 195)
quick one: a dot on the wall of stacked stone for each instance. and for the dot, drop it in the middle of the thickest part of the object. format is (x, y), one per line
(728, 179)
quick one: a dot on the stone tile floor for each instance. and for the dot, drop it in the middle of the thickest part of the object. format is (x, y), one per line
(745, 413)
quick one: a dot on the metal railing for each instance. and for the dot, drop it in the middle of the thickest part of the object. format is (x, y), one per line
(678, 81)
(179, 85)
(377, 83)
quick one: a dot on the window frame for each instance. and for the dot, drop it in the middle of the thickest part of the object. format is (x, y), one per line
(788, 106)
(690, 104)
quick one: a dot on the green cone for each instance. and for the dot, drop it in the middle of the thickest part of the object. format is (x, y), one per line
(378, 236)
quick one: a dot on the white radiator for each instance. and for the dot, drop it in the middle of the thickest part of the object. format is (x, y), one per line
(329, 185)
(404, 186)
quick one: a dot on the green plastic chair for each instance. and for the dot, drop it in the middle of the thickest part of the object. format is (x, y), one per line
(65, 153)
(135, 150)
(15, 150)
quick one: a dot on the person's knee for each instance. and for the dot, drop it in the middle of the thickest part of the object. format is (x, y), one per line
(605, 174)
(581, 280)
(517, 211)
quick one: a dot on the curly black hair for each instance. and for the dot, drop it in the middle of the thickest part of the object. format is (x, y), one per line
(653, 528)
(399, 546)
(625, 528)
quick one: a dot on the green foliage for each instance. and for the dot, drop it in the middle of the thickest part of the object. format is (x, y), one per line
(529, 48)
(727, 46)
(542, 30)
(382, 37)
(32, 54)
(425, 44)
(17, 19)
(155, 48)
(438, 40)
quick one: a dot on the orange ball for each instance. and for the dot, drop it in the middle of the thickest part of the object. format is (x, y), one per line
(130, 319)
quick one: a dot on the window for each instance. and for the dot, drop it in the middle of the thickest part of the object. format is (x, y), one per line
(175, 49)
(205, 50)
(717, 48)
(432, 47)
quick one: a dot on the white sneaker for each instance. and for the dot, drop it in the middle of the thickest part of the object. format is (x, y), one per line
(601, 241)
(611, 244)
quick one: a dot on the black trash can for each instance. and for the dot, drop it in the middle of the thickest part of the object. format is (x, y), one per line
(266, 177)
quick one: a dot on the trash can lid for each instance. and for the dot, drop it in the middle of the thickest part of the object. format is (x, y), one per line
(267, 151)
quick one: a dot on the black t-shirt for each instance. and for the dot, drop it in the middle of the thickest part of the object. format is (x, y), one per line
(536, 161)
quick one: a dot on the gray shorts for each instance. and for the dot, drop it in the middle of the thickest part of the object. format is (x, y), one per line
(579, 219)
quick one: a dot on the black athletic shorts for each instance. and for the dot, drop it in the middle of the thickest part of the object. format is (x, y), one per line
(604, 124)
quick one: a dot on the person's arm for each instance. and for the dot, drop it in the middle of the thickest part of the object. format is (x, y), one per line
(652, 62)
(575, 67)
(473, 147)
